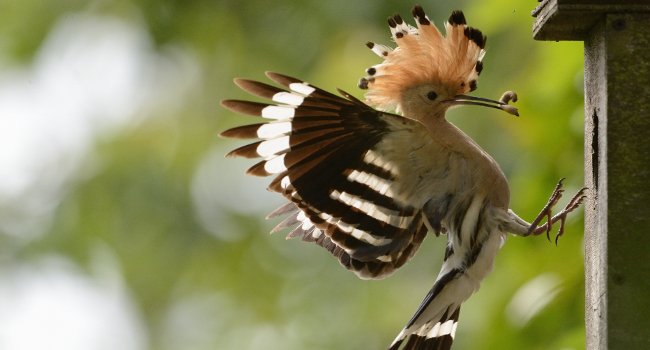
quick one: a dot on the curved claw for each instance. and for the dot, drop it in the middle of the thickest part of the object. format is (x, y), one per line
(572, 205)
(560, 232)
(549, 225)
(576, 200)
(546, 211)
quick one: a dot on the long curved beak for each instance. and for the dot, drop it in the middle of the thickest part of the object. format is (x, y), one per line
(502, 104)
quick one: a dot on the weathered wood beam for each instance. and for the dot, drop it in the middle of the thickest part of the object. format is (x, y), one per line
(617, 161)
(573, 19)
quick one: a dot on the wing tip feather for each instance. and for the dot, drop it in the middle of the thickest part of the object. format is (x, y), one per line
(230, 133)
(241, 132)
(281, 79)
(242, 82)
(258, 170)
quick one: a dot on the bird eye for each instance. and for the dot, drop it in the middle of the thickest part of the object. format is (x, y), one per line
(432, 95)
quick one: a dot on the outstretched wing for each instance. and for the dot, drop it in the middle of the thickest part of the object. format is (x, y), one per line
(345, 168)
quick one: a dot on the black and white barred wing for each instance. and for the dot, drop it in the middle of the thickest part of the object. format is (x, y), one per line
(343, 166)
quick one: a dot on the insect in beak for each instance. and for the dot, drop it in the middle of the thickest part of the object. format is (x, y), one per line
(502, 104)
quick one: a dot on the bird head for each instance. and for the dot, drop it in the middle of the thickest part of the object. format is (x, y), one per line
(429, 72)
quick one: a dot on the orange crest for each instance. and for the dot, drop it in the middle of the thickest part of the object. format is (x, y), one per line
(424, 56)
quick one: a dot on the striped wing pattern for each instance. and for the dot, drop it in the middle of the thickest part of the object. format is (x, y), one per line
(328, 156)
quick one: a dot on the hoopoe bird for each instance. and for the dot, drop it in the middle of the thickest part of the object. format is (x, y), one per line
(368, 185)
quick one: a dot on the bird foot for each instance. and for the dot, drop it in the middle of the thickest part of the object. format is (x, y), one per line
(546, 212)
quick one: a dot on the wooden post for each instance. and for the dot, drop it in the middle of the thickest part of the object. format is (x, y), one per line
(617, 161)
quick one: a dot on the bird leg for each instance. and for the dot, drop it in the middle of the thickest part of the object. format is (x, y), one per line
(521, 227)
(535, 229)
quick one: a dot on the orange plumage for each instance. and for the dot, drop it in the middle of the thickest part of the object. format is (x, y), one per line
(422, 56)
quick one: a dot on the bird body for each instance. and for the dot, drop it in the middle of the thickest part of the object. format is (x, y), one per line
(367, 184)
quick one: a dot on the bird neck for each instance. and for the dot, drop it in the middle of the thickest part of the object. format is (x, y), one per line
(449, 135)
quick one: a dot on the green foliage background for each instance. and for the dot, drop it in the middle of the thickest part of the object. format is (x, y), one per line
(187, 227)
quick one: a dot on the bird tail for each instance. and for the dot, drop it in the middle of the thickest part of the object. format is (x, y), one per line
(433, 326)
(435, 334)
